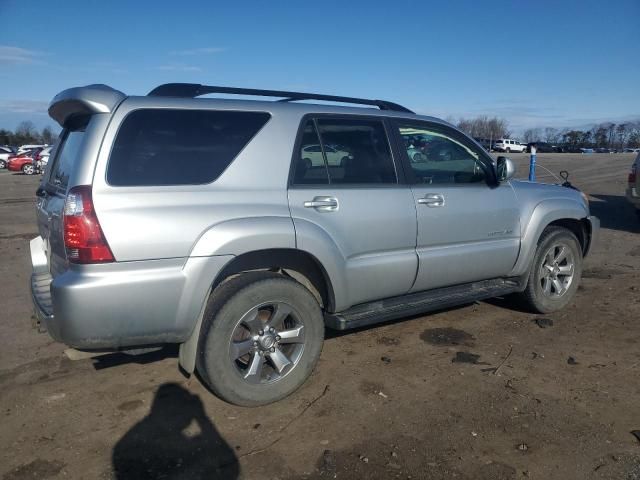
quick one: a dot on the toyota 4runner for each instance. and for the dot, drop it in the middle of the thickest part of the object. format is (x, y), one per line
(203, 222)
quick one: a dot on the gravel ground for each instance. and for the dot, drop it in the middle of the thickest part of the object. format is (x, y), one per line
(414, 399)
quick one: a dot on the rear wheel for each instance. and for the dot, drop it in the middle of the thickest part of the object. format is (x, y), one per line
(3, 164)
(556, 271)
(28, 169)
(261, 338)
(508, 150)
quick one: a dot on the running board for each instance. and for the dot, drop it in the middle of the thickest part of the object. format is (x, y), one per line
(421, 302)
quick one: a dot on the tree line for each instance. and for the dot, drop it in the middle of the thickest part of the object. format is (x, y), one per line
(483, 127)
(27, 134)
(603, 135)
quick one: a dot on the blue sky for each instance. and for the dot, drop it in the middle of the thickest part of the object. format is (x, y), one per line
(535, 63)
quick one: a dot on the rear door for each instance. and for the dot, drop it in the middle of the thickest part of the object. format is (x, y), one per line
(357, 203)
(468, 227)
(52, 194)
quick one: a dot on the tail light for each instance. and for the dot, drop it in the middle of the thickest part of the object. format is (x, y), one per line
(83, 237)
(633, 173)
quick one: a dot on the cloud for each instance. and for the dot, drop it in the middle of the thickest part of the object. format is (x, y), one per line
(178, 67)
(34, 107)
(19, 56)
(197, 51)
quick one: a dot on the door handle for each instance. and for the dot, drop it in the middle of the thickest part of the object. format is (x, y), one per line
(432, 200)
(322, 204)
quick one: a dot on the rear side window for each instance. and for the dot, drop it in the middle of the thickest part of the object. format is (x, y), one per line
(344, 151)
(179, 147)
(65, 160)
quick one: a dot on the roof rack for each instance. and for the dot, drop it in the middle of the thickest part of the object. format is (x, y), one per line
(193, 90)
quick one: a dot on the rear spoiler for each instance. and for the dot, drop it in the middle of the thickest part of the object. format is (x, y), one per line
(81, 101)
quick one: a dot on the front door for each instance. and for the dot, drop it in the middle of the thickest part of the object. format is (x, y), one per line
(357, 205)
(468, 225)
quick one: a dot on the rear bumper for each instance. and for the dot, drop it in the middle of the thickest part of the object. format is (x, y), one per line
(633, 195)
(123, 304)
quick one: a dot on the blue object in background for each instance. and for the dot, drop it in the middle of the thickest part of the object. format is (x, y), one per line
(532, 165)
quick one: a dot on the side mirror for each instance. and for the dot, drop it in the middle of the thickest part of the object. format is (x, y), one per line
(505, 168)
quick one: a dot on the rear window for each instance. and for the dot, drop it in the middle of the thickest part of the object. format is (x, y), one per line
(179, 147)
(66, 157)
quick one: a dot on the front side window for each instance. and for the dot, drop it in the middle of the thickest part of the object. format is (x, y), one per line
(179, 147)
(437, 156)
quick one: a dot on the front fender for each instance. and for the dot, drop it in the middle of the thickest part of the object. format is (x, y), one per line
(544, 213)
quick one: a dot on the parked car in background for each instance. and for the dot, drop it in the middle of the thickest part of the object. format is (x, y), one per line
(508, 145)
(633, 187)
(5, 153)
(42, 158)
(312, 155)
(22, 163)
(543, 147)
(27, 148)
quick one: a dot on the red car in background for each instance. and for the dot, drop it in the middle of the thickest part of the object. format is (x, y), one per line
(22, 163)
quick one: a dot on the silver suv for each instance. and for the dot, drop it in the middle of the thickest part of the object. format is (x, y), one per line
(204, 222)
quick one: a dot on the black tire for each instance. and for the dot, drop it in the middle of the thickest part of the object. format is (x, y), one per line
(3, 164)
(508, 150)
(533, 296)
(28, 169)
(226, 306)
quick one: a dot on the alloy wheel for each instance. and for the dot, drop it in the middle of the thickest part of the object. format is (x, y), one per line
(557, 270)
(267, 343)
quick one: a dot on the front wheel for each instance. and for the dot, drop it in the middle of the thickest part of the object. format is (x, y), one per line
(556, 271)
(3, 164)
(28, 169)
(261, 337)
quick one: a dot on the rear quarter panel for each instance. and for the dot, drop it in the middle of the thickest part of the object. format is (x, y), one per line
(142, 223)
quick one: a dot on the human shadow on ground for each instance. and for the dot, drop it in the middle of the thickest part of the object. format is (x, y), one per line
(175, 440)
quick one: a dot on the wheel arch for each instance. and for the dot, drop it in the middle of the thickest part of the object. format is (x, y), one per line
(581, 228)
(300, 265)
(565, 213)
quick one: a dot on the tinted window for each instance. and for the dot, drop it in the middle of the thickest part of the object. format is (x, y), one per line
(309, 167)
(65, 160)
(179, 147)
(439, 156)
(361, 152)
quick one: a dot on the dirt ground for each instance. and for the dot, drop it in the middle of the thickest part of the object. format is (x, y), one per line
(414, 399)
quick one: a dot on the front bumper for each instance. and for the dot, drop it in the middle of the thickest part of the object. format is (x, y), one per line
(122, 304)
